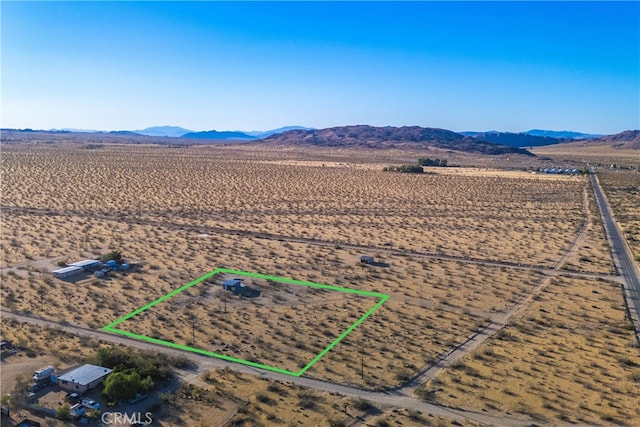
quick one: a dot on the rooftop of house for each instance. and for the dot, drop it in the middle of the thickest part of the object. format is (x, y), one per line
(67, 269)
(85, 374)
(85, 263)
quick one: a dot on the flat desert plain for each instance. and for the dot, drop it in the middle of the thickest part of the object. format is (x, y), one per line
(456, 249)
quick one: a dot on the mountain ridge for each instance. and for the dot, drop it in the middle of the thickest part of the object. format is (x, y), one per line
(218, 135)
(391, 137)
(562, 134)
(168, 131)
(628, 139)
(517, 139)
(376, 137)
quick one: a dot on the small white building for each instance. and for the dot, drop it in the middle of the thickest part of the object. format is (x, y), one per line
(63, 273)
(86, 264)
(83, 378)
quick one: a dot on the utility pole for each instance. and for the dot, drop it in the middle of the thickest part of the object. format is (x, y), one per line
(362, 356)
(41, 290)
(193, 321)
(224, 299)
(362, 360)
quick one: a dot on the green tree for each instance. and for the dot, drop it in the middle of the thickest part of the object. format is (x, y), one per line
(114, 358)
(93, 414)
(155, 365)
(20, 395)
(62, 413)
(404, 169)
(114, 255)
(425, 161)
(125, 384)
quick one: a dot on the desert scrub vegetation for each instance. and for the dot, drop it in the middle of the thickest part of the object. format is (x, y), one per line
(184, 212)
(596, 155)
(434, 304)
(622, 188)
(238, 399)
(403, 168)
(568, 358)
(35, 340)
(508, 216)
(285, 327)
(592, 253)
(426, 161)
(217, 397)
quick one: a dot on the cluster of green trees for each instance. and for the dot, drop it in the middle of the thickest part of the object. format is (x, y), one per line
(404, 169)
(417, 168)
(425, 161)
(126, 384)
(133, 372)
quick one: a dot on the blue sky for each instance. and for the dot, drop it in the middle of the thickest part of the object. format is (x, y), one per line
(257, 66)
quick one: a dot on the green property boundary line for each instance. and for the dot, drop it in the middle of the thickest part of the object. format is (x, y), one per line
(111, 327)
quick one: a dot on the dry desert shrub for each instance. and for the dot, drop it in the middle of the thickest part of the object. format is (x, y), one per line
(622, 189)
(518, 218)
(184, 212)
(592, 254)
(581, 153)
(571, 357)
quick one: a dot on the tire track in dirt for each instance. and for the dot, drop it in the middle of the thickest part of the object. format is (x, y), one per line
(447, 359)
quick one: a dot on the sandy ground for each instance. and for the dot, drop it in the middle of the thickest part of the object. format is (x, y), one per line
(220, 398)
(183, 212)
(622, 189)
(570, 358)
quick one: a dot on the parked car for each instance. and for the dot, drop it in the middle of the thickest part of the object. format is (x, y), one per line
(43, 374)
(73, 398)
(90, 403)
(40, 385)
(77, 411)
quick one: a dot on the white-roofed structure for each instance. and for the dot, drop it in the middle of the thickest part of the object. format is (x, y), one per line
(83, 378)
(86, 264)
(63, 273)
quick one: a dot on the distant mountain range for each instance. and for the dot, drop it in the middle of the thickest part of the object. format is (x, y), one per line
(514, 139)
(490, 142)
(562, 134)
(264, 134)
(531, 138)
(170, 131)
(178, 132)
(214, 134)
(391, 137)
(628, 139)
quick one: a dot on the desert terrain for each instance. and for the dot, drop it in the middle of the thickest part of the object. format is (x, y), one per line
(456, 248)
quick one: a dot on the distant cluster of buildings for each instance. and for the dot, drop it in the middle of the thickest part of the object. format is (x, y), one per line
(94, 266)
(561, 171)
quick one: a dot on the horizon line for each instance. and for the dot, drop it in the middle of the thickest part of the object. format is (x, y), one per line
(85, 130)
